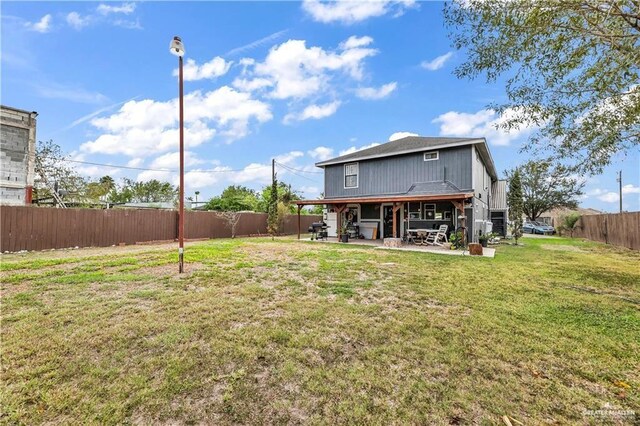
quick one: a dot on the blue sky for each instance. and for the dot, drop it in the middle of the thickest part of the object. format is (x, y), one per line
(300, 82)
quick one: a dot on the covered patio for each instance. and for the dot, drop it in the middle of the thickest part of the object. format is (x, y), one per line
(394, 216)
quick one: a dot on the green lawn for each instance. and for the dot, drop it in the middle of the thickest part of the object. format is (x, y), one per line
(261, 331)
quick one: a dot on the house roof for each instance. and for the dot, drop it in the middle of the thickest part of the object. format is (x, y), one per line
(411, 144)
(397, 198)
(423, 191)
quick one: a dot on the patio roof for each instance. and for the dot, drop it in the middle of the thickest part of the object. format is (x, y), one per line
(388, 199)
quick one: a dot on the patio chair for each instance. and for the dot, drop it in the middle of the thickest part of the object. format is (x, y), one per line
(421, 237)
(409, 238)
(437, 238)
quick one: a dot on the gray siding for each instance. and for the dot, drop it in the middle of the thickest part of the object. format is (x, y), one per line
(395, 175)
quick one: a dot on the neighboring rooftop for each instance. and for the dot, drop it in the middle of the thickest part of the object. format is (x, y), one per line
(412, 144)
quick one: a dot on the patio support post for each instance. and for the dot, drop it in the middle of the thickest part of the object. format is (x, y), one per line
(339, 209)
(396, 207)
(299, 208)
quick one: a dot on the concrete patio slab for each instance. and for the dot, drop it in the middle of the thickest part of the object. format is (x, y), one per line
(377, 244)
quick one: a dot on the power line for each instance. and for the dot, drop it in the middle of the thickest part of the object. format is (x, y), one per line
(297, 174)
(161, 170)
(298, 170)
(293, 170)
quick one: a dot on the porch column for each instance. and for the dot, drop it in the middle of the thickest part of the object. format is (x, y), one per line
(339, 209)
(396, 207)
(299, 208)
(463, 219)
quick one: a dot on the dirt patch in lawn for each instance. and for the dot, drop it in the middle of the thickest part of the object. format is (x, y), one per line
(561, 247)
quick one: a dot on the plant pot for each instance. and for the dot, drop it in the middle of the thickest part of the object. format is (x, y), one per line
(484, 243)
(344, 238)
(447, 246)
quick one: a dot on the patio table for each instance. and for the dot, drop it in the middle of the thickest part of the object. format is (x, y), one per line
(426, 231)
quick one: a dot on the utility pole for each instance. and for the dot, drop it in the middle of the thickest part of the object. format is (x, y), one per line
(620, 188)
(273, 170)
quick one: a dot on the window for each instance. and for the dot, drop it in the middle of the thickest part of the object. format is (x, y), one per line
(414, 210)
(429, 211)
(431, 155)
(351, 175)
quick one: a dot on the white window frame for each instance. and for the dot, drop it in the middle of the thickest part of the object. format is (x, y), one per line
(424, 156)
(357, 175)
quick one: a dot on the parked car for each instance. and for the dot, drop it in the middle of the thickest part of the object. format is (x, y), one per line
(532, 227)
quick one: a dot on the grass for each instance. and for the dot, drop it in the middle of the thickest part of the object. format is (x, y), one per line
(287, 332)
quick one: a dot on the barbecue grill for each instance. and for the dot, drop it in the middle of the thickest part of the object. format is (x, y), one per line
(318, 231)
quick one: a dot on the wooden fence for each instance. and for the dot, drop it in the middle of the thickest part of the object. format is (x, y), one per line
(620, 229)
(40, 228)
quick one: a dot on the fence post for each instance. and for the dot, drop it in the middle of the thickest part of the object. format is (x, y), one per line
(606, 229)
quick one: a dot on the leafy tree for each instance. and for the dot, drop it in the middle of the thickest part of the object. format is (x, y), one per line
(569, 222)
(52, 170)
(152, 191)
(272, 219)
(546, 187)
(515, 203)
(234, 198)
(101, 188)
(284, 194)
(571, 68)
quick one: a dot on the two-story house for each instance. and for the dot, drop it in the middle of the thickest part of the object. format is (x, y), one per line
(415, 182)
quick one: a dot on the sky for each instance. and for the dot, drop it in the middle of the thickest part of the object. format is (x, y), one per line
(296, 81)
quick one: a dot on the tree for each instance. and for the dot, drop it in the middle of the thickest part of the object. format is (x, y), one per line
(234, 198)
(152, 191)
(514, 201)
(231, 218)
(52, 170)
(572, 69)
(100, 189)
(272, 209)
(546, 187)
(284, 194)
(569, 222)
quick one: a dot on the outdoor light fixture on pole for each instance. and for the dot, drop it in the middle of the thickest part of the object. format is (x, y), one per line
(177, 49)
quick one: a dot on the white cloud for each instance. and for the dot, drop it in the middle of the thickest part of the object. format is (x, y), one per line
(135, 162)
(148, 127)
(315, 112)
(481, 124)
(212, 69)
(69, 93)
(42, 26)
(355, 149)
(310, 191)
(321, 153)
(436, 63)
(609, 197)
(251, 85)
(128, 24)
(349, 12)
(76, 21)
(612, 196)
(254, 44)
(124, 8)
(171, 160)
(297, 71)
(355, 41)
(372, 93)
(399, 135)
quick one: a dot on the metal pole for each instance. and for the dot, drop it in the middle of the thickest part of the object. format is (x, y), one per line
(181, 217)
(620, 188)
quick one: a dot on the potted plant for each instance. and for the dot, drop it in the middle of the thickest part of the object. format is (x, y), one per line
(456, 240)
(344, 235)
(484, 239)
